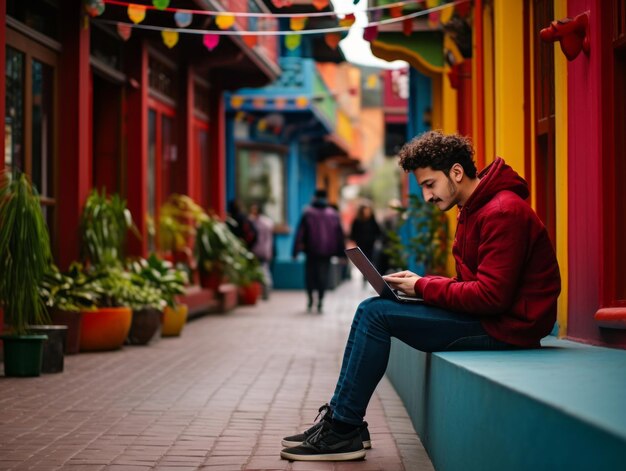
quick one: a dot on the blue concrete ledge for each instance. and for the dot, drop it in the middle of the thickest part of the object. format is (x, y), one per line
(559, 407)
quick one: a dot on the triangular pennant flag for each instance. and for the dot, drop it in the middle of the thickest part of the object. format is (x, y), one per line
(376, 16)
(445, 15)
(251, 40)
(94, 7)
(332, 40)
(407, 26)
(292, 41)
(370, 33)
(211, 41)
(320, 4)
(161, 4)
(433, 19)
(347, 20)
(224, 21)
(170, 37)
(136, 13)
(297, 23)
(395, 12)
(432, 3)
(183, 18)
(124, 30)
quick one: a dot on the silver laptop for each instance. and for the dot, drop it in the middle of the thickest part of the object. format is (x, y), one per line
(375, 279)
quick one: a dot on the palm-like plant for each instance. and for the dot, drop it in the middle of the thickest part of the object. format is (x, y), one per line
(24, 252)
(104, 225)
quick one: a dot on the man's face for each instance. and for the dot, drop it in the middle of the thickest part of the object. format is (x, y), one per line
(437, 188)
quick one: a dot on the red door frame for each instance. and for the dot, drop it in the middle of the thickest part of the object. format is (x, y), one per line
(199, 178)
(161, 110)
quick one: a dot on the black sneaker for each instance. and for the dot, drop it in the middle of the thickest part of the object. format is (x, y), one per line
(325, 413)
(327, 445)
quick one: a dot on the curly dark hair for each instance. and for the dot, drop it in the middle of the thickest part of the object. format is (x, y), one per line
(438, 151)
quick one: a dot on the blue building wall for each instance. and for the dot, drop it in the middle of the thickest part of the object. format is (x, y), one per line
(420, 102)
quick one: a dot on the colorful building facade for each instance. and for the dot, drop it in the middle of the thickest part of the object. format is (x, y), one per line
(552, 105)
(90, 104)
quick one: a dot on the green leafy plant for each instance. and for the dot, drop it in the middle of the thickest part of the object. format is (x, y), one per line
(161, 275)
(104, 226)
(121, 288)
(217, 248)
(426, 237)
(178, 218)
(24, 252)
(71, 292)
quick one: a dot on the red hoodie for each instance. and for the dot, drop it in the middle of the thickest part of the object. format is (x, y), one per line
(507, 272)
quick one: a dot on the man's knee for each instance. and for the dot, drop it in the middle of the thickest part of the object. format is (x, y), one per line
(372, 308)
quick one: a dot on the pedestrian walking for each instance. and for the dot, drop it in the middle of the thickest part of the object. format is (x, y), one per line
(365, 231)
(240, 224)
(503, 296)
(263, 247)
(320, 236)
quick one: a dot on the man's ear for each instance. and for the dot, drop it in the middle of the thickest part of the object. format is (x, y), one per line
(457, 173)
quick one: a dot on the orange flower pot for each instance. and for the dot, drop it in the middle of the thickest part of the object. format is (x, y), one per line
(105, 329)
(174, 320)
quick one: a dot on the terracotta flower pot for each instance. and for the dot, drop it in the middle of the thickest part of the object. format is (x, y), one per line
(105, 328)
(174, 320)
(249, 294)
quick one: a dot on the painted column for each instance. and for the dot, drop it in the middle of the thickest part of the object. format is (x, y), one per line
(137, 138)
(509, 82)
(74, 180)
(217, 118)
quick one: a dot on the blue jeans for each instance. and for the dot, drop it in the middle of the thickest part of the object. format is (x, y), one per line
(424, 328)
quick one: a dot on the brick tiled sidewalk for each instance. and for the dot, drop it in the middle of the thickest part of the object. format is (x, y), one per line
(219, 398)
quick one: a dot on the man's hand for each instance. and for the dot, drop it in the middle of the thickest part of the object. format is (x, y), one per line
(403, 281)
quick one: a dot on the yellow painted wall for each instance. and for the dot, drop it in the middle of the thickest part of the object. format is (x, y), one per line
(488, 55)
(509, 82)
(560, 71)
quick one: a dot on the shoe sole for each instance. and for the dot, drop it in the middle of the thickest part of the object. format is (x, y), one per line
(367, 444)
(349, 456)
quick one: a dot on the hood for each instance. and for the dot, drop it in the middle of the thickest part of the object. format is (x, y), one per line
(319, 203)
(495, 178)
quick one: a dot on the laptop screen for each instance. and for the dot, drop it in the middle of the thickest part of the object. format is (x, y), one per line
(363, 263)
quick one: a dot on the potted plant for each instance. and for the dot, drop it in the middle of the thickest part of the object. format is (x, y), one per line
(212, 251)
(178, 218)
(147, 302)
(24, 258)
(249, 278)
(67, 295)
(104, 227)
(171, 282)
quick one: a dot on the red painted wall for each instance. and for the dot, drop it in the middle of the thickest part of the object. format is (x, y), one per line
(74, 168)
(137, 147)
(587, 112)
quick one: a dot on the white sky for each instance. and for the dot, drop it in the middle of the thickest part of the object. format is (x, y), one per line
(354, 47)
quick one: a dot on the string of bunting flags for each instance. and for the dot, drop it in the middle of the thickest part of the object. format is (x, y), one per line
(437, 11)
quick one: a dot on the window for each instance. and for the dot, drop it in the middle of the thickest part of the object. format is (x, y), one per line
(29, 121)
(261, 180)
